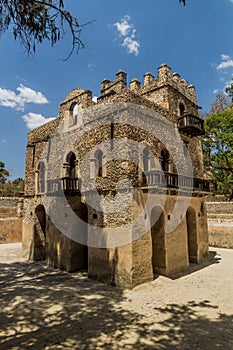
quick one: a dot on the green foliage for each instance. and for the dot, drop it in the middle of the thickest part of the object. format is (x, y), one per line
(10, 188)
(229, 91)
(3, 173)
(33, 21)
(13, 188)
(218, 149)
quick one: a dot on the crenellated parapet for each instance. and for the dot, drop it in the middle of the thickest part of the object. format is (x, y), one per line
(166, 78)
(115, 86)
(163, 90)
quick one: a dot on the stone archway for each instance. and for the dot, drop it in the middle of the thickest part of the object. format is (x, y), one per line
(40, 233)
(192, 234)
(79, 247)
(158, 240)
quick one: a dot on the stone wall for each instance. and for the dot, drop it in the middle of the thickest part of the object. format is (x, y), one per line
(220, 224)
(11, 211)
(114, 144)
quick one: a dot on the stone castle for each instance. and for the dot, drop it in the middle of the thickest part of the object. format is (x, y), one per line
(107, 185)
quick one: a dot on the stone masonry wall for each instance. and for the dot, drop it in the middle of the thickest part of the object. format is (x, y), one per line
(11, 219)
(220, 224)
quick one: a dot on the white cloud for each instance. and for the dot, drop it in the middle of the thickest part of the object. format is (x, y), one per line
(126, 29)
(227, 62)
(225, 57)
(94, 99)
(34, 120)
(9, 98)
(131, 45)
(225, 69)
(91, 66)
(227, 84)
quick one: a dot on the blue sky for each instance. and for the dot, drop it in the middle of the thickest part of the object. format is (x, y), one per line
(136, 36)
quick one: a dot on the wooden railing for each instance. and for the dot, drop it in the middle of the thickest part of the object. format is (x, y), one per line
(191, 125)
(172, 180)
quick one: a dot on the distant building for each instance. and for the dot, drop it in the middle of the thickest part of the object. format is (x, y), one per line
(73, 168)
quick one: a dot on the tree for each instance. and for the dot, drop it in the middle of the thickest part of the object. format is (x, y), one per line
(229, 91)
(221, 102)
(218, 149)
(34, 21)
(3, 173)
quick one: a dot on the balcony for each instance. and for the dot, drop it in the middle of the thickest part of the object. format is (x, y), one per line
(172, 180)
(151, 179)
(191, 125)
(66, 185)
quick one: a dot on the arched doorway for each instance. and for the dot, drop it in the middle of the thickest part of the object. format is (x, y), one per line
(192, 234)
(99, 162)
(79, 246)
(71, 160)
(83, 215)
(146, 166)
(40, 233)
(181, 109)
(158, 240)
(165, 159)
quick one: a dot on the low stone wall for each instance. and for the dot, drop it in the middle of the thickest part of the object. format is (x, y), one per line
(220, 221)
(220, 224)
(11, 212)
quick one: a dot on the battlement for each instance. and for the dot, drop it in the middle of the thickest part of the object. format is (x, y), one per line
(116, 85)
(164, 78)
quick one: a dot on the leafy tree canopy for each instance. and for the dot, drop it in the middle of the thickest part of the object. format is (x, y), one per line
(218, 148)
(34, 21)
(229, 91)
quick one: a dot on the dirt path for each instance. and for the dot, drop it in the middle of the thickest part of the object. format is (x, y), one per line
(42, 308)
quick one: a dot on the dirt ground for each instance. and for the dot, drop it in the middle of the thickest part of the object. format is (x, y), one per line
(42, 308)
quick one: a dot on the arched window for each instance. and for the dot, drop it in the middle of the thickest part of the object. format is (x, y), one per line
(181, 109)
(99, 162)
(165, 159)
(41, 177)
(146, 160)
(73, 114)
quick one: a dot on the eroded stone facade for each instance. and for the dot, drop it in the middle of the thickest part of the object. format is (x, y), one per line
(113, 166)
(11, 213)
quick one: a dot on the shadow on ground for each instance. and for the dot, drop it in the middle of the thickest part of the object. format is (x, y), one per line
(213, 259)
(43, 308)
